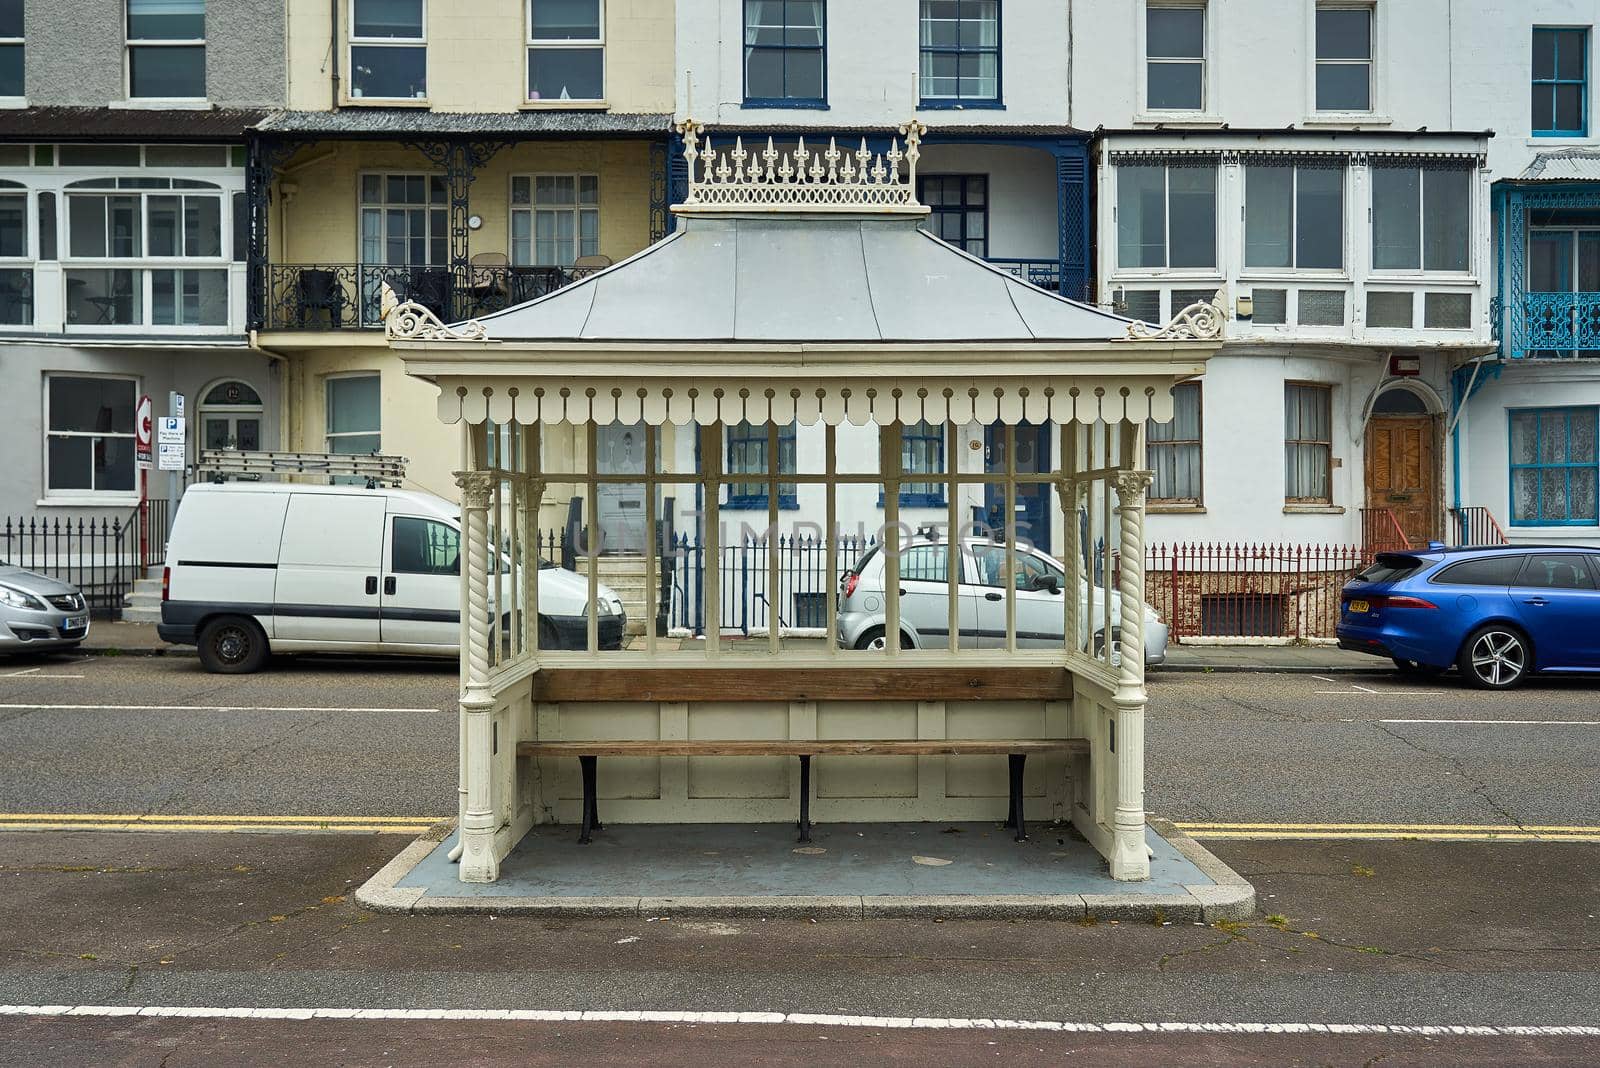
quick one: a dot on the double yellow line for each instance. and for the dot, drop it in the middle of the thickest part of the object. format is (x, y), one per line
(1421, 832)
(64, 821)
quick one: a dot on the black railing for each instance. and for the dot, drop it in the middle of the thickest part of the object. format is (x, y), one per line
(348, 296)
(101, 555)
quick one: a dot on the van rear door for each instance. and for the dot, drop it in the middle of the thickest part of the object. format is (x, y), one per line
(328, 567)
(421, 582)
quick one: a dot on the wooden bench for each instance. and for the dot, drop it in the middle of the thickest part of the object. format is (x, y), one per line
(1016, 750)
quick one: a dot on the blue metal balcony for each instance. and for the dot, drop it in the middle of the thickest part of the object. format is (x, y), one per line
(1557, 325)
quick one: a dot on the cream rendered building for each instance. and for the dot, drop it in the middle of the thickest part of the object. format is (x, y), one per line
(471, 156)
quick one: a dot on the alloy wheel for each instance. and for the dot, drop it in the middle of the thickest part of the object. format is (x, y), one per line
(1499, 657)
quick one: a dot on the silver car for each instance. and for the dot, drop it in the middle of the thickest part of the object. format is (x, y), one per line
(924, 605)
(39, 613)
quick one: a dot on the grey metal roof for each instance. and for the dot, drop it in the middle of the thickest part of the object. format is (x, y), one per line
(1564, 165)
(409, 122)
(771, 279)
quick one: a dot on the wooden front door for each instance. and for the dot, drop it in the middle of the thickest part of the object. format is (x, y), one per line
(1401, 475)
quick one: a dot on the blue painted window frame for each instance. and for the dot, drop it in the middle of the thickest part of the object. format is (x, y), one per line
(951, 103)
(966, 242)
(817, 102)
(930, 438)
(1552, 84)
(749, 440)
(1592, 412)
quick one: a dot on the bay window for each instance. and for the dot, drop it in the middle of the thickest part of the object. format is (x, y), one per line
(566, 50)
(388, 50)
(1293, 214)
(167, 49)
(89, 435)
(1167, 214)
(1421, 216)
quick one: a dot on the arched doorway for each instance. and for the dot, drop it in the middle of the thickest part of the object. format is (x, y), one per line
(230, 417)
(1402, 468)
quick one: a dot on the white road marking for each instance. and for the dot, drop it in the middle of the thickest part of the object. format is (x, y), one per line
(1518, 722)
(918, 1023)
(203, 708)
(1363, 689)
(1323, 678)
(30, 677)
(1383, 693)
(26, 671)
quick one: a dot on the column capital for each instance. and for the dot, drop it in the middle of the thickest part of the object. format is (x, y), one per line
(1132, 485)
(477, 488)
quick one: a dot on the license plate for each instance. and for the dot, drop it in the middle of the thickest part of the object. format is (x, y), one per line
(76, 622)
(1360, 606)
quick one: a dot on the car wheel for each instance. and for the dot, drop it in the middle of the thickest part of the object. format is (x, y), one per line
(873, 638)
(1417, 668)
(1495, 657)
(232, 645)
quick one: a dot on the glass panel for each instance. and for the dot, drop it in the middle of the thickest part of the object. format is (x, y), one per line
(1582, 448)
(1319, 217)
(1552, 436)
(1447, 311)
(978, 23)
(803, 74)
(353, 405)
(980, 76)
(13, 70)
(805, 23)
(1571, 46)
(248, 434)
(47, 226)
(86, 226)
(389, 72)
(1446, 219)
(1389, 309)
(71, 463)
(1268, 214)
(565, 20)
(11, 18)
(1544, 107)
(165, 224)
(389, 18)
(232, 393)
(166, 20)
(1583, 493)
(105, 297)
(588, 189)
(1549, 261)
(938, 75)
(1271, 307)
(940, 19)
(1524, 437)
(1569, 107)
(1544, 54)
(422, 546)
(1396, 205)
(13, 226)
(1552, 494)
(1525, 495)
(161, 72)
(763, 73)
(99, 155)
(16, 296)
(521, 238)
(1141, 216)
(1344, 87)
(217, 434)
(202, 226)
(113, 464)
(1142, 304)
(91, 405)
(189, 298)
(1175, 31)
(1175, 86)
(1321, 307)
(1193, 228)
(1344, 33)
(566, 73)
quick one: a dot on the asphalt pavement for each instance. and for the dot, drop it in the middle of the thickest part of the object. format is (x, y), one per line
(1395, 914)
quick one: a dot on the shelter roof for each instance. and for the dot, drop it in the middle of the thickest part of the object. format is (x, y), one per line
(384, 123)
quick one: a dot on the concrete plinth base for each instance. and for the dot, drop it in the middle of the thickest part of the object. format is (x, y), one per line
(961, 870)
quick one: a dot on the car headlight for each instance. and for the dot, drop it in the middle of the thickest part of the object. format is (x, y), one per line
(609, 606)
(20, 599)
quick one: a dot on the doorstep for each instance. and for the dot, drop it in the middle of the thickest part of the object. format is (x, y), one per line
(849, 871)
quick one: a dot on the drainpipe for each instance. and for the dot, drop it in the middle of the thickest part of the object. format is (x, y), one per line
(333, 48)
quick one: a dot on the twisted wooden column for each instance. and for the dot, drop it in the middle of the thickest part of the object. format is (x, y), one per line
(1129, 858)
(478, 822)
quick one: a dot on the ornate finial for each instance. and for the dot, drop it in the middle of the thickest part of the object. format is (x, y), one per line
(410, 321)
(1201, 321)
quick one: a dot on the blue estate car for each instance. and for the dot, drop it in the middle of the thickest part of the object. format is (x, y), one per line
(1498, 614)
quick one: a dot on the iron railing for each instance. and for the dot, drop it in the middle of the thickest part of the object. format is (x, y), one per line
(1381, 532)
(1249, 591)
(347, 296)
(1475, 525)
(101, 555)
(1560, 325)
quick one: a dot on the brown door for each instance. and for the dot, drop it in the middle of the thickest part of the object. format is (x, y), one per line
(1400, 473)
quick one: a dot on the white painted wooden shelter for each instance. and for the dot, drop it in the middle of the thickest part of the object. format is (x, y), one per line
(798, 287)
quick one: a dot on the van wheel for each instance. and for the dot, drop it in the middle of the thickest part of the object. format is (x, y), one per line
(873, 638)
(232, 645)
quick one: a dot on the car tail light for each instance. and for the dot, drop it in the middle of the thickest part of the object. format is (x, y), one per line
(166, 583)
(850, 582)
(1402, 601)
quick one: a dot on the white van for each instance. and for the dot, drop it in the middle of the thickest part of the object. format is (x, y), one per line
(255, 568)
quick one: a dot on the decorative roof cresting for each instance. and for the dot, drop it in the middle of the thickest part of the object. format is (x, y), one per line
(801, 178)
(410, 321)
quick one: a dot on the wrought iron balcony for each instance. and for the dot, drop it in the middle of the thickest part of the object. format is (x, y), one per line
(1046, 274)
(1556, 326)
(346, 296)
